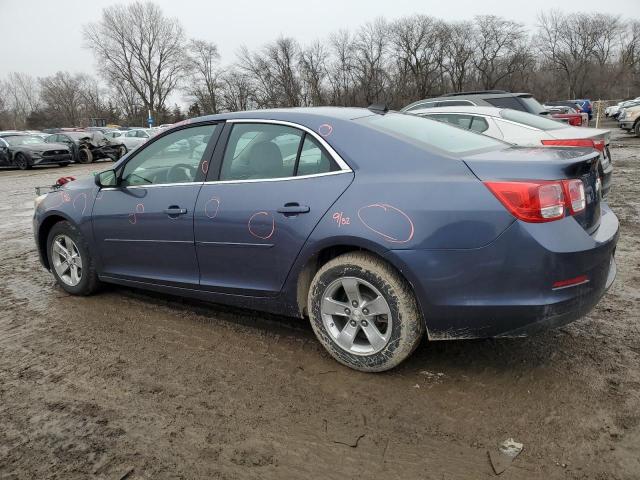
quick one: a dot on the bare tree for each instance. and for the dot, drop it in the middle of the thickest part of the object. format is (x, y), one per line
(418, 48)
(22, 97)
(313, 71)
(459, 52)
(275, 73)
(236, 91)
(342, 69)
(136, 45)
(62, 96)
(496, 47)
(204, 75)
(370, 62)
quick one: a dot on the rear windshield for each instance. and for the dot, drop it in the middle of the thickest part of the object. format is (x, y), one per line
(431, 133)
(532, 105)
(535, 121)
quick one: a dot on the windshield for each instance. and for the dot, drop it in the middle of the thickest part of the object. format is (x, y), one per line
(22, 140)
(430, 133)
(535, 121)
(532, 104)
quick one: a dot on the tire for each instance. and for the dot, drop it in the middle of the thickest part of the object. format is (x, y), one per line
(85, 155)
(373, 277)
(122, 151)
(21, 161)
(636, 129)
(88, 278)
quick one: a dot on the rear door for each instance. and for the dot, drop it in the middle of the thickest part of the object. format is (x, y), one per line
(275, 182)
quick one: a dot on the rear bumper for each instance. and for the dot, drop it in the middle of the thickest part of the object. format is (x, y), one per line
(506, 288)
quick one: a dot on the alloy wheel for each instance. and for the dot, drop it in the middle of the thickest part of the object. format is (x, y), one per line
(356, 316)
(67, 260)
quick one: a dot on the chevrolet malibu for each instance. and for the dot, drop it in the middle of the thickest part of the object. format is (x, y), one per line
(381, 227)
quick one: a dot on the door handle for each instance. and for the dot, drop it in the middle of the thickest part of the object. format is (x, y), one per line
(293, 209)
(174, 211)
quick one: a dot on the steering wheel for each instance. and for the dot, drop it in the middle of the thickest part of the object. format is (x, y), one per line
(181, 172)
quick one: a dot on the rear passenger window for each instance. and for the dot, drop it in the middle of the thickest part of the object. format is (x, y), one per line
(460, 121)
(479, 124)
(313, 158)
(260, 151)
(264, 151)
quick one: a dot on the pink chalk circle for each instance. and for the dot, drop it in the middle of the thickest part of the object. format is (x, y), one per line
(76, 204)
(325, 129)
(391, 223)
(211, 207)
(263, 231)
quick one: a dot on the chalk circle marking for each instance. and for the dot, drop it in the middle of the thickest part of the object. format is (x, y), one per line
(140, 208)
(84, 205)
(211, 208)
(257, 235)
(325, 129)
(388, 208)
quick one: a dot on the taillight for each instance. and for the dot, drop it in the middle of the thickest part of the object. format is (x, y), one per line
(574, 191)
(540, 201)
(576, 142)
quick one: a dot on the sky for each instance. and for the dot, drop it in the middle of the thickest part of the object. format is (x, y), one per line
(41, 37)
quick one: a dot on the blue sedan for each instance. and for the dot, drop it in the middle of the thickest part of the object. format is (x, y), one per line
(380, 227)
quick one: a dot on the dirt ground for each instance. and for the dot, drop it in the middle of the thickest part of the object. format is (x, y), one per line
(127, 384)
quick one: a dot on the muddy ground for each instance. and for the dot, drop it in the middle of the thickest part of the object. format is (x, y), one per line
(127, 384)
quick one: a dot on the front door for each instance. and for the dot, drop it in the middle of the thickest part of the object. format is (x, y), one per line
(144, 227)
(275, 184)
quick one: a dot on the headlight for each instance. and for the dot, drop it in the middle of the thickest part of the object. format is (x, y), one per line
(38, 200)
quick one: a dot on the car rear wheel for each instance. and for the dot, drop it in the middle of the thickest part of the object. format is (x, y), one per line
(364, 313)
(22, 162)
(71, 264)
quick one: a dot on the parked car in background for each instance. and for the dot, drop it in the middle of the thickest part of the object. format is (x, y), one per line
(484, 98)
(568, 112)
(616, 110)
(135, 137)
(378, 226)
(527, 130)
(524, 102)
(586, 106)
(87, 147)
(629, 118)
(25, 151)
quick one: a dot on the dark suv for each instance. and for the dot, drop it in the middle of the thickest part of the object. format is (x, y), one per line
(485, 98)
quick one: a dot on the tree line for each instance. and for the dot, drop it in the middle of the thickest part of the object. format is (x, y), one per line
(144, 58)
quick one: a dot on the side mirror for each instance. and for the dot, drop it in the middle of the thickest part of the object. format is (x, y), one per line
(108, 178)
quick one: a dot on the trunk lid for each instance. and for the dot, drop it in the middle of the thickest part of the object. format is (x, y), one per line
(550, 163)
(586, 133)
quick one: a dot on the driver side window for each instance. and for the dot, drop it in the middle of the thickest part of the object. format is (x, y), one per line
(173, 158)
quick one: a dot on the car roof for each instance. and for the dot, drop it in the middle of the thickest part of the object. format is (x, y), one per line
(488, 111)
(292, 114)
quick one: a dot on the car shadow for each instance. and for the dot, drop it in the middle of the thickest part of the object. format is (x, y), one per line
(466, 356)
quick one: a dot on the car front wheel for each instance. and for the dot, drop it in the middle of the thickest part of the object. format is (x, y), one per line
(71, 264)
(22, 162)
(364, 313)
